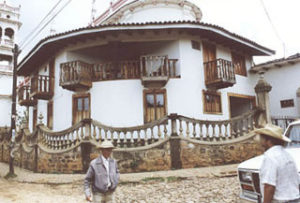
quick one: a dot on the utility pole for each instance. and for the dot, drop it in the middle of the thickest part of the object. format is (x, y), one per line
(16, 53)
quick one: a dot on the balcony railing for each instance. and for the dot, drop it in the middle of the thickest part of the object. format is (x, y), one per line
(219, 74)
(24, 97)
(156, 70)
(75, 75)
(41, 87)
(116, 71)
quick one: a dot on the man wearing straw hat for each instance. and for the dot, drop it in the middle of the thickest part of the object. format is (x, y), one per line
(279, 177)
(102, 176)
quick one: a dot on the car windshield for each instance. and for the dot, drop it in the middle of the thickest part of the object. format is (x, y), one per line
(294, 134)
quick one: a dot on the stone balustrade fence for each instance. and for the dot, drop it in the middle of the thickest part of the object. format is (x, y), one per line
(82, 140)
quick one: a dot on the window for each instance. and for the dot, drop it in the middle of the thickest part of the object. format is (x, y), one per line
(50, 114)
(154, 105)
(196, 45)
(287, 103)
(239, 64)
(81, 107)
(212, 102)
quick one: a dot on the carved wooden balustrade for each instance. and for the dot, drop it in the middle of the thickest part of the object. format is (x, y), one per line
(41, 87)
(116, 71)
(24, 96)
(94, 132)
(152, 70)
(156, 70)
(219, 74)
(75, 75)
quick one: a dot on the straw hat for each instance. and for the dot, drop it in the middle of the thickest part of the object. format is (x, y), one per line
(273, 131)
(106, 145)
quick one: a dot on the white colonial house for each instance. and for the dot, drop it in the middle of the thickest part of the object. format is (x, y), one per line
(283, 76)
(139, 61)
(9, 26)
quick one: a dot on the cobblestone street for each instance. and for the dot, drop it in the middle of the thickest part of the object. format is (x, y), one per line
(152, 190)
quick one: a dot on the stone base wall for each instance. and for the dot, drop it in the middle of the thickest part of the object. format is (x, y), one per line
(68, 162)
(4, 153)
(200, 155)
(155, 157)
(27, 159)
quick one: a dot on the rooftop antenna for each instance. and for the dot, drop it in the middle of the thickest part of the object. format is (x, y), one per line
(93, 12)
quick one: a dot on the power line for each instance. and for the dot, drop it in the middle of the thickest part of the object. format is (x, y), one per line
(273, 26)
(33, 31)
(65, 5)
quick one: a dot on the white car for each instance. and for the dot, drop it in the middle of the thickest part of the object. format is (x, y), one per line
(248, 171)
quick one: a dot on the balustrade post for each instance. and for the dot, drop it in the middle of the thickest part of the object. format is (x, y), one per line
(173, 118)
(87, 129)
(86, 146)
(262, 90)
(175, 145)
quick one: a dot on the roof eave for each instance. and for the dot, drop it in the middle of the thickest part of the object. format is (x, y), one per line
(260, 50)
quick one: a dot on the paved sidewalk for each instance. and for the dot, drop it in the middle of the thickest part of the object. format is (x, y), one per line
(25, 176)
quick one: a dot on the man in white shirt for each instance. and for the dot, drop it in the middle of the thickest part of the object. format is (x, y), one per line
(279, 176)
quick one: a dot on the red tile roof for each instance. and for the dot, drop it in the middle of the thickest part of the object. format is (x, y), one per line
(276, 63)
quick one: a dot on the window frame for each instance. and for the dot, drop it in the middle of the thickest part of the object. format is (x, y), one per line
(214, 93)
(75, 97)
(234, 57)
(154, 92)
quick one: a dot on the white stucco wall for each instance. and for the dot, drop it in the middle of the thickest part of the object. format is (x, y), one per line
(285, 82)
(5, 84)
(5, 109)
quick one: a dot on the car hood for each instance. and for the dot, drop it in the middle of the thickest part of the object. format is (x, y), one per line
(255, 163)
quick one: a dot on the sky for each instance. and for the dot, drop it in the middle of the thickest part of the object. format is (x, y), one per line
(244, 17)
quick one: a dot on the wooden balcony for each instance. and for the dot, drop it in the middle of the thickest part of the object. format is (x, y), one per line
(75, 75)
(116, 71)
(42, 87)
(219, 74)
(24, 97)
(156, 70)
(78, 75)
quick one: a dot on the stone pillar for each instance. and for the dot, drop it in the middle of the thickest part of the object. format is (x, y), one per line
(298, 101)
(262, 90)
(175, 148)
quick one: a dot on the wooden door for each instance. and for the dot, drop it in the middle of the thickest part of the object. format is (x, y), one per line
(81, 107)
(209, 52)
(209, 60)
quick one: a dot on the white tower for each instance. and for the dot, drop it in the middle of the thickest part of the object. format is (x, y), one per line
(9, 27)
